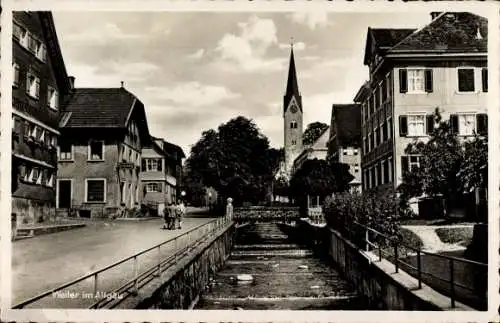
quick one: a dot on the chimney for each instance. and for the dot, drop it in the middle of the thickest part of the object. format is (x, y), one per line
(122, 84)
(434, 14)
(71, 82)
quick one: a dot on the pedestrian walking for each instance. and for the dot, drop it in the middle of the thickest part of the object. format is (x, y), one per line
(178, 213)
(171, 216)
(166, 216)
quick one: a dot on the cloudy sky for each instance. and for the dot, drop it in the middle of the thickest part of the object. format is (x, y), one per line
(194, 71)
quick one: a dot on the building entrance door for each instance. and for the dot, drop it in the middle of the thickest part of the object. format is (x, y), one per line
(64, 194)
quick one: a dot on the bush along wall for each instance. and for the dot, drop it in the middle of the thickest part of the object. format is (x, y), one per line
(377, 209)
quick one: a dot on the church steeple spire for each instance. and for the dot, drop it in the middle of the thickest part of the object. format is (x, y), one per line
(292, 86)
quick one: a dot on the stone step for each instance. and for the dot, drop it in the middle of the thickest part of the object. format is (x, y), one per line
(294, 252)
(266, 246)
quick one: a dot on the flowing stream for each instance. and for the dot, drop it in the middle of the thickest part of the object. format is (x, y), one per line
(267, 270)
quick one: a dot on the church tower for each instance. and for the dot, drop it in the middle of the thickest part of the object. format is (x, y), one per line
(292, 117)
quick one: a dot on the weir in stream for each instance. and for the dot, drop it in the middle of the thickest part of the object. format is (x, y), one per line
(283, 275)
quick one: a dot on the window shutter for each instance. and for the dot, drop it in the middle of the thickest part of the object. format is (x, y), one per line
(143, 165)
(484, 76)
(403, 126)
(430, 124)
(404, 165)
(403, 81)
(482, 124)
(454, 123)
(428, 81)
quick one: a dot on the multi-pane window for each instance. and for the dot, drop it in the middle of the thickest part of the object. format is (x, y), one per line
(153, 187)
(416, 125)
(409, 162)
(16, 74)
(385, 166)
(52, 97)
(95, 190)
(293, 125)
(49, 180)
(416, 80)
(66, 151)
(30, 42)
(151, 164)
(33, 85)
(466, 80)
(466, 124)
(96, 150)
(376, 137)
(21, 34)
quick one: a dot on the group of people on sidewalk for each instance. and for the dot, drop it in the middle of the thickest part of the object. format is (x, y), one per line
(173, 214)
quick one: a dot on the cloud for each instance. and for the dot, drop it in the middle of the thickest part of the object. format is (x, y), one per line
(191, 94)
(247, 50)
(102, 34)
(197, 55)
(318, 107)
(110, 73)
(312, 19)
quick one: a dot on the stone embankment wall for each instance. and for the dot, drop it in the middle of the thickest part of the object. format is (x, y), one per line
(180, 286)
(265, 213)
(383, 288)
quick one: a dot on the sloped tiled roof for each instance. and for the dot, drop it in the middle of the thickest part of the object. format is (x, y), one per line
(347, 124)
(98, 108)
(378, 40)
(388, 37)
(451, 32)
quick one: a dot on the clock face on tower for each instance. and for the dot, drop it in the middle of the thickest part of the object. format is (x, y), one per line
(293, 109)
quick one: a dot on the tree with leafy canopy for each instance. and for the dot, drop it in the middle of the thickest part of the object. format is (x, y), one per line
(318, 177)
(447, 168)
(313, 132)
(236, 160)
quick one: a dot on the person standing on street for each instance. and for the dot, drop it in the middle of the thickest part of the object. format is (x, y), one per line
(178, 214)
(229, 209)
(167, 216)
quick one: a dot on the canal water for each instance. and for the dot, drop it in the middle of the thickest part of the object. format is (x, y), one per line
(282, 276)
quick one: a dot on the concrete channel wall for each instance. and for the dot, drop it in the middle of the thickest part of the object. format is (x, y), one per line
(383, 288)
(180, 286)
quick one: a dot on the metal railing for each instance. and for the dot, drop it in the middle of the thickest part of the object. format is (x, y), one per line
(153, 260)
(412, 261)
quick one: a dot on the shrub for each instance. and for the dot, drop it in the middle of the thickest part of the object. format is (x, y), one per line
(375, 209)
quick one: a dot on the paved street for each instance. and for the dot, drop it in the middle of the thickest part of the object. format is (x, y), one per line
(44, 262)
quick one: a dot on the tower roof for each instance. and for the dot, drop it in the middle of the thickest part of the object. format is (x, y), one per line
(292, 86)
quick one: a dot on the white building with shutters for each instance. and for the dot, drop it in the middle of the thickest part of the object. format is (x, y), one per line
(412, 72)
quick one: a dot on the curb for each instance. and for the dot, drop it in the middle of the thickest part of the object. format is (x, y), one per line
(42, 230)
(137, 219)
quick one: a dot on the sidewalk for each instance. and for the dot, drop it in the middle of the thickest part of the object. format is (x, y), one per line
(46, 261)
